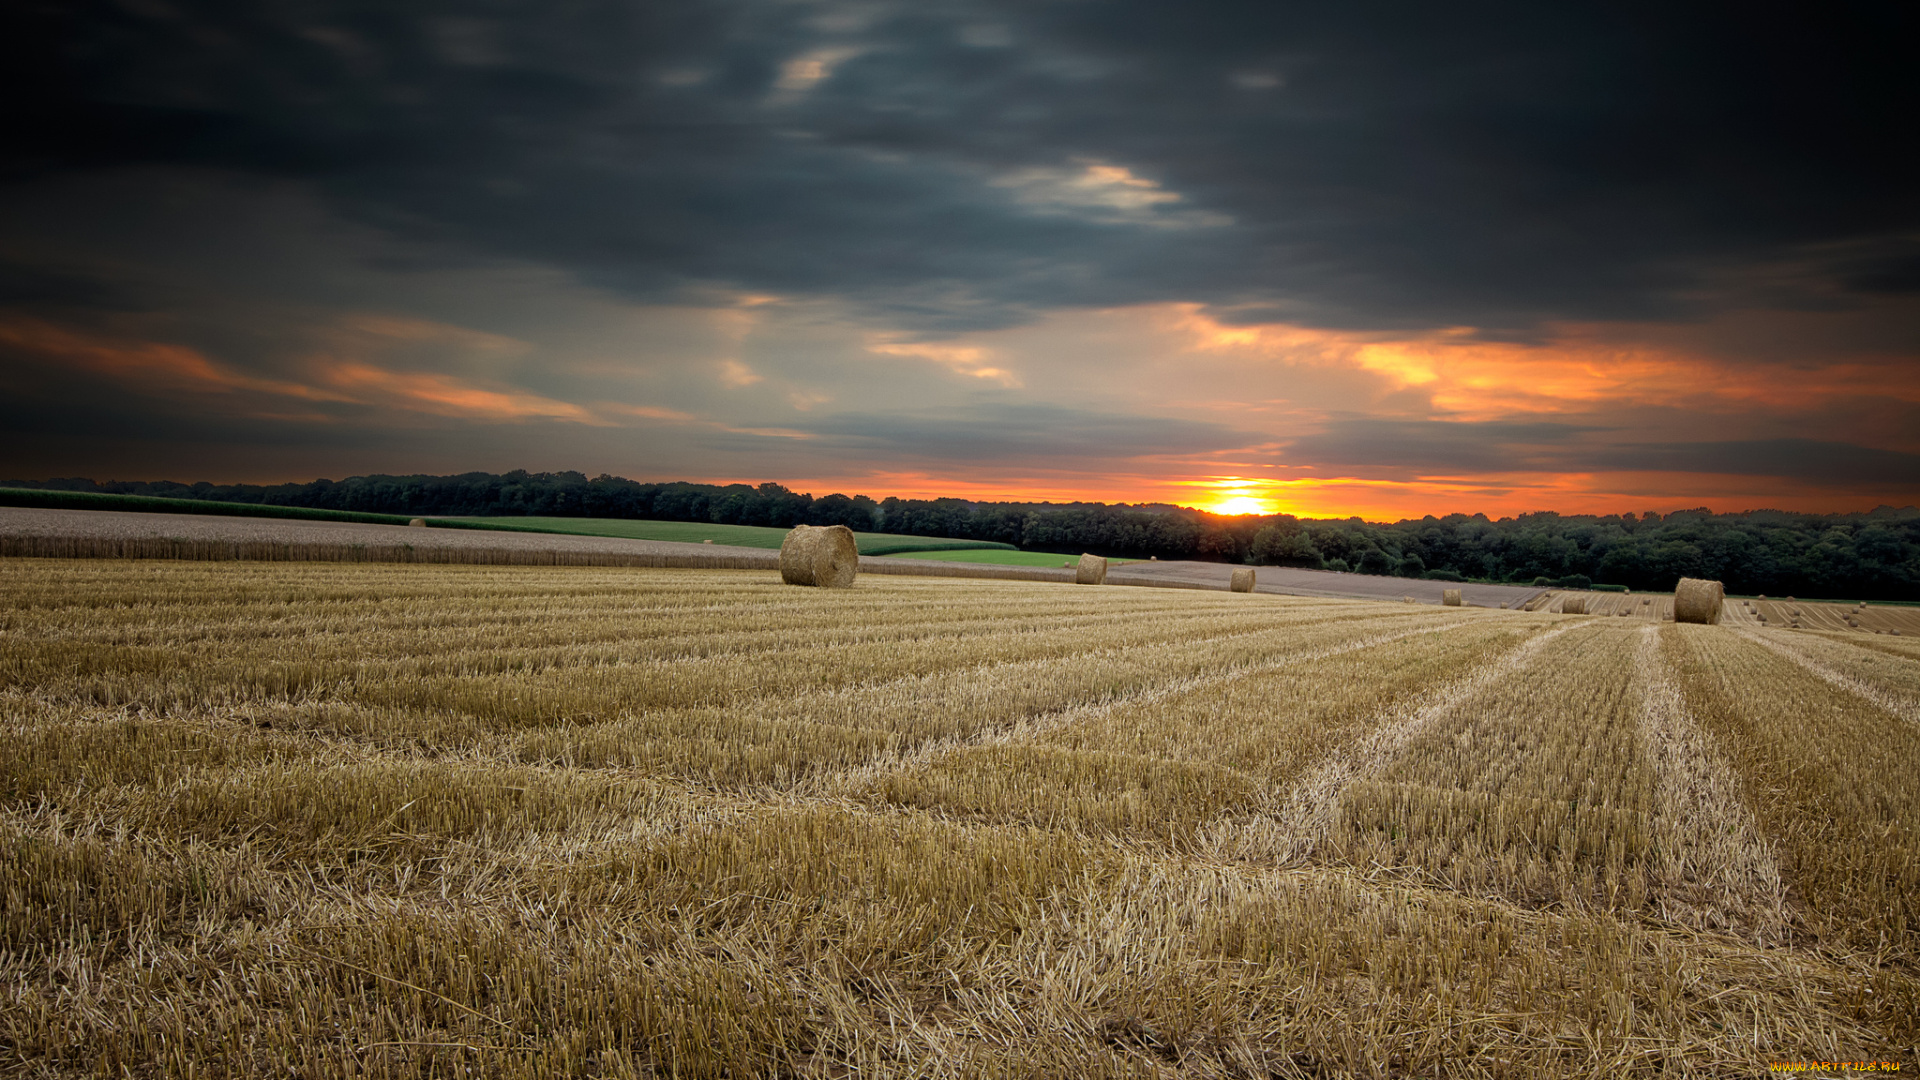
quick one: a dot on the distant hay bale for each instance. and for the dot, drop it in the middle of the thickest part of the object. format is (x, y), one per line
(417, 523)
(1696, 600)
(825, 557)
(1092, 571)
(1450, 597)
(706, 541)
(1573, 605)
(1408, 600)
(1242, 579)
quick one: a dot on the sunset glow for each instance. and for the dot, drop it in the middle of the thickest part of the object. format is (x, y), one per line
(901, 250)
(1242, 504)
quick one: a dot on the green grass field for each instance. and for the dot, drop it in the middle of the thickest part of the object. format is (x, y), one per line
(996, 557)
(147, 504)
(684, 531)
(759, 536)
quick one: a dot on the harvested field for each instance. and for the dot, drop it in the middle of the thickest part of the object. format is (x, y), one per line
(1293, 581)
(332, 819)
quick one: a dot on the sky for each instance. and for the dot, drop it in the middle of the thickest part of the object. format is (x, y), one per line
(1383, 260)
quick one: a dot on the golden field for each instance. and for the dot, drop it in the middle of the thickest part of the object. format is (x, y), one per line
(418, 820)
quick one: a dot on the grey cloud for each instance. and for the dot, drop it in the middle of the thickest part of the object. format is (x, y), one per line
(1416, 447)
(1836, 464)
(1031, 434)
(1411, 447)
(1409, 165)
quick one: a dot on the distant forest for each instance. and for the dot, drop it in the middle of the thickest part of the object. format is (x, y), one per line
(1873, 555)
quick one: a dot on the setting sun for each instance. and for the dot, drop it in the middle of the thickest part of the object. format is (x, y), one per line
(1243, 504)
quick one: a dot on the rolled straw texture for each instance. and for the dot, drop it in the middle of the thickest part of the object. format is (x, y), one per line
(824, 557)
(1450, 597)
(1091, 571)
(1696, 600)
(1573, 605)
(1242, 579)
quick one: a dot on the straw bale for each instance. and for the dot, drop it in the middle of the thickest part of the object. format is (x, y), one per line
(826, 557)
(1450, 597)
(417, 523)
(1092, 571)
(1573, 605)
(1242, 579)
(1696, 600)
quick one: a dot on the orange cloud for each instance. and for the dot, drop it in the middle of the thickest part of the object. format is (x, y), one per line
(445, 395)
(1579, 369)
(652, 412)
(149, 362)
(961, 359)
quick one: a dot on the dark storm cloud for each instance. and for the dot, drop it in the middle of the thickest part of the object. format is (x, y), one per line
(31, 286)
(1837, 464)
(1019, 434)
(1440, 448)
(1437, 448)
(1407, 164)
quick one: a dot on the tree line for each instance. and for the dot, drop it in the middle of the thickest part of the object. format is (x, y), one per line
(1870, 555)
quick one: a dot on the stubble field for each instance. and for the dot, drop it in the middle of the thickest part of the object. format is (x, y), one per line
(408, 820)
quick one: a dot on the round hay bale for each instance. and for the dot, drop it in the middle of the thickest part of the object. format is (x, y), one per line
(1696, 600)
(706, 541)
(1242, 579)
(1091, 571)
(1573, 605)
(1450, 597)
(417, 523)
(824, 557)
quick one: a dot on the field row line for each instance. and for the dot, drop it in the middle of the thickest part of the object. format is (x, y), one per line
(1716, 870)
(1029, 728)
(1905, 708)
(1303, 820)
